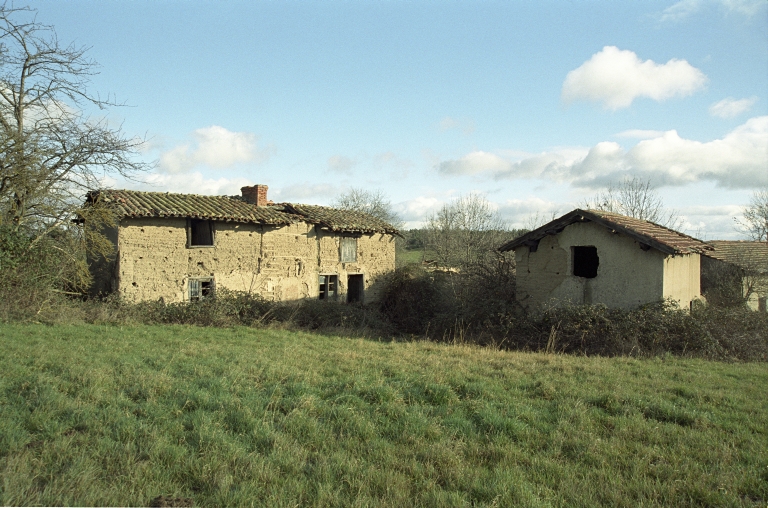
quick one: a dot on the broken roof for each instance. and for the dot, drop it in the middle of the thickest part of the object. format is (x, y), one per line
(340, 221)
(648, 233)
(746, 254)
(129, 203)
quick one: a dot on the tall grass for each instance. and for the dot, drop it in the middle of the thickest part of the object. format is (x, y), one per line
(119, 415)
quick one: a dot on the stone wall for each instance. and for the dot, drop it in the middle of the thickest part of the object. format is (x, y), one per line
(279, 263)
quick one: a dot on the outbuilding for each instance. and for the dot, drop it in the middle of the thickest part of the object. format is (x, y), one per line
(593, 256)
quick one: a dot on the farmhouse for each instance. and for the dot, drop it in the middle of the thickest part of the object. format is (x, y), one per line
(591, 256)
(182, 247)
(736, 272)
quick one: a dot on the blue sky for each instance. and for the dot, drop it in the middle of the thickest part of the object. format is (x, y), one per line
(536, 105)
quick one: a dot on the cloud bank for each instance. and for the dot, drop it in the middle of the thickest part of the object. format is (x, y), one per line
(617, 77)
(738, 161)
(216, 148)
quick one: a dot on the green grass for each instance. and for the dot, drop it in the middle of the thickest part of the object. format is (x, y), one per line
(409, 257)
(95, 415)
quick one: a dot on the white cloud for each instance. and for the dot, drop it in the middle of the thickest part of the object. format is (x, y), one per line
(190, 183)
(738, 160)
(639, 134)
(304, 193)
(466, 126)
(216, 148)
(686, 8)
(730, 107)
(341, 164)
(415, 211)
(617, 77)
(475, 162)
(681, 10)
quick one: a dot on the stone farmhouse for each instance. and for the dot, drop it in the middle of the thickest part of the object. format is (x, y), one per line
(183, 247)
(736, 271)
(590, 256)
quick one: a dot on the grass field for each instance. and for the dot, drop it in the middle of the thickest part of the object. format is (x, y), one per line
(95, 415)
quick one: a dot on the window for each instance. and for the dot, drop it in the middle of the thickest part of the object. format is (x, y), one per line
(200, 289)
(200, 233)
(348, 250)
(328, 284)
(585, 262)
(355, 287)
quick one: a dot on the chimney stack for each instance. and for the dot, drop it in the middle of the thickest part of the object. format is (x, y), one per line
(255, 194)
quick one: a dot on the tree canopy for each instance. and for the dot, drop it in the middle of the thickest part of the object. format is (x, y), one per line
(52, 150)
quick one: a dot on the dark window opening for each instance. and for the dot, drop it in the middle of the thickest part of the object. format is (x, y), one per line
(348, 250)
(585, 262)
(200, 289)
(328, 284)
(200, 233)
(355, 288)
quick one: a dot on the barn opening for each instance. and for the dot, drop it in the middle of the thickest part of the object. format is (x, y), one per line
(585, 261)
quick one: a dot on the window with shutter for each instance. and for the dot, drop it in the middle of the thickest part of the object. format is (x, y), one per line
(348, 250)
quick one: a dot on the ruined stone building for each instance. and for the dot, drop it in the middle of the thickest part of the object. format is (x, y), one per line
(736, 272)
(589, 256)
(182, 247)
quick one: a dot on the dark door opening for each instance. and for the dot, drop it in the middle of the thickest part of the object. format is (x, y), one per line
(355, 288)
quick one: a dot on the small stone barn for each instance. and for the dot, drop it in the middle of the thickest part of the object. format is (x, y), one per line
(183, 247)
(736, 272)
(590, 256)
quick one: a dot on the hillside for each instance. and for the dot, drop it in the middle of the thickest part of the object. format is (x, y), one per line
(106, 415)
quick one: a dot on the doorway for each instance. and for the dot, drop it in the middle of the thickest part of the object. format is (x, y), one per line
(355, 288)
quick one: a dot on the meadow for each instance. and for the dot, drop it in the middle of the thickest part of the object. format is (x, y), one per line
(119, 415)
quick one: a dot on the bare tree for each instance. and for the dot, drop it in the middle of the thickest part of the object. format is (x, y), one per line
(755, 218)
(466, 232)
(374, 203)
(636, 198)
(52, 150)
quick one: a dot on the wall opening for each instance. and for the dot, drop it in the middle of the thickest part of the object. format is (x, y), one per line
(200, 233)
(328, 287)
(585, 261)
(199, 289)
(355, 288)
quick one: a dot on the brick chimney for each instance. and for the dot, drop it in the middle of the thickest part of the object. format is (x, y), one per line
(255, 194)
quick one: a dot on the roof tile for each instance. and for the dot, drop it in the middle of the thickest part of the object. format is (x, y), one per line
(654, 235)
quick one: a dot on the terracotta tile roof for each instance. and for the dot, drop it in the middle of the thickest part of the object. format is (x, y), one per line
(658, 237)
(746, 254)
(168, 204)
(340, 221)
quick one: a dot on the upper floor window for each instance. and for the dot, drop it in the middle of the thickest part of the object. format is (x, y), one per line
(585, 261)
(348, 250)
(200, 233)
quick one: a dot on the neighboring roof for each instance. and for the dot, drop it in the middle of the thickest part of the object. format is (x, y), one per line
(653, 235)
(746, 254)
(167, 204)
(340, 220)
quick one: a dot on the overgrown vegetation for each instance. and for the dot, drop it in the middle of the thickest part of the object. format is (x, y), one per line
(120, 415)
